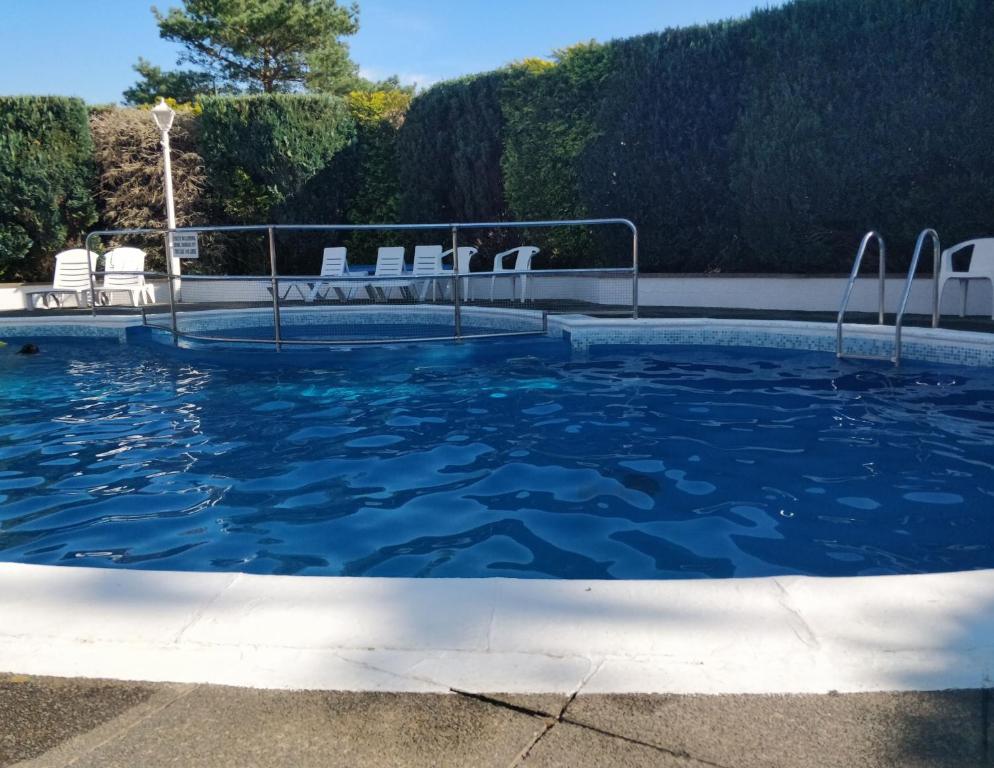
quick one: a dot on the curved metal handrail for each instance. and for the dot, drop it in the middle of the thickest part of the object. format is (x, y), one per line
(902, 307)
(882, 250)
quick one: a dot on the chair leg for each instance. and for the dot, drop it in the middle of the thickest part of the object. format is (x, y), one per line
(493, 283)
(965, 288)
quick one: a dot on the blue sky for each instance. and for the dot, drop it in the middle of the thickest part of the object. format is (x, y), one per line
(86, 47)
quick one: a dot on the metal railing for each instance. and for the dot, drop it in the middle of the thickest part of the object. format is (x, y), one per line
(928, 234)
(882, 288)
(274, 279)
(903, 306)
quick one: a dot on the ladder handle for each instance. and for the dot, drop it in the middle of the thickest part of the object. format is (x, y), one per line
(882, 250)
(902, 307)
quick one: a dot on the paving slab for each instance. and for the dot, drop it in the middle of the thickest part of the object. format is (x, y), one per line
(239, 727)
(37, 714)
(881, 729)
(569, 746)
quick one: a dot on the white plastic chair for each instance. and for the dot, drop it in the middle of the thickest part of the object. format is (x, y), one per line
(334, 263)
(389, 263)
(466, 254)
(427, 264)
(981, 268)
(71, 278)
(523, 256)
(125, 260)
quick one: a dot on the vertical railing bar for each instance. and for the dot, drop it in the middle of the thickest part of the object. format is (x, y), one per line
(883, 281)
(277, 330)
(456, 298)
(93, 284)
(635, 274)
(936, 262)
(172, 294)
(902, 307)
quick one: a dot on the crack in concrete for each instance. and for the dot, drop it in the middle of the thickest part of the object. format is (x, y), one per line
(202, 610)
(551, 721)
(798, 624)
(678, 753)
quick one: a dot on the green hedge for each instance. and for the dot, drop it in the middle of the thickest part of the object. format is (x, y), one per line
(260, 153)
(864, 114)
(770, 143)
(661, 156)
(449, 153)
(359, 185)
(46, 181)
(550, 110)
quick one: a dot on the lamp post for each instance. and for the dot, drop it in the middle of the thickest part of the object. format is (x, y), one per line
(163, 116)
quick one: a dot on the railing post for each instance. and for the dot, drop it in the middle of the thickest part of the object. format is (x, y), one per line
(277, 331)
(456, 298)
(172, 293)
(93, 284)
(882, 288)
(936, 263)
(635, 274)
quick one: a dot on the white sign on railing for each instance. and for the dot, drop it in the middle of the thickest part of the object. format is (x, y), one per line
(185, 245)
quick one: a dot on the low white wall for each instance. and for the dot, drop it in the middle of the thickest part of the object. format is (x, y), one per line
(772, 292)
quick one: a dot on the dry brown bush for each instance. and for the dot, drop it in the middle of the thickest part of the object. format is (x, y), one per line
(129, 163)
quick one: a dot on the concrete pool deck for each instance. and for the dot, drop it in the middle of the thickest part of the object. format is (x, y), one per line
(56, 723)
(737, 636)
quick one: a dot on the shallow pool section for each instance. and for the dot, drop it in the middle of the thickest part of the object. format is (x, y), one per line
(500, 458)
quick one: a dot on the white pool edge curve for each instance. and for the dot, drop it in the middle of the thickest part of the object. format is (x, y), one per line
(736, 636)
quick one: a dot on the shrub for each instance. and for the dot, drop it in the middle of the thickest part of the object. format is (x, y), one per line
(128, 158)
(359, 185)
(862, 115)
(449, 152)
(660, 155)
(46, 176)
(549, 111)
(261, 151)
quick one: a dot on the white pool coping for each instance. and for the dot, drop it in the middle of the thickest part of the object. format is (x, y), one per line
(775, 635)
(770, 635)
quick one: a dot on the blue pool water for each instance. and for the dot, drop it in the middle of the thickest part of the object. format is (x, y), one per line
(493, 458)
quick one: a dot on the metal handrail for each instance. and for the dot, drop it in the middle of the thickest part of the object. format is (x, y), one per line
(275, 278)
(902, 307)
(882, 250)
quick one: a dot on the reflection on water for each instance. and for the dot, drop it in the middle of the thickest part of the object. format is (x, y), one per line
(497, 458)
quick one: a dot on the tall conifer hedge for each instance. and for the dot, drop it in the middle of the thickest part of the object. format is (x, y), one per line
(46, 180)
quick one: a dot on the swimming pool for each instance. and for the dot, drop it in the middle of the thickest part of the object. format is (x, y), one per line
(494, 458)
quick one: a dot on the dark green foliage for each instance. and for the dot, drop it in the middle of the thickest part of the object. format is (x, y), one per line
(272, 46)
(661, 156)
(46, 178)
(449, 153)
(261, 151)
(550, 112)
(182, 85)
(864, 114)
(359, 185)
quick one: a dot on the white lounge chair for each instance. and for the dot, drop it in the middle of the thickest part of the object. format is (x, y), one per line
(334, 264)
(389, 263)
(71, 278)
(427, 264)
(466, 254)
(523, 256)
(122, 268)
(981, 268)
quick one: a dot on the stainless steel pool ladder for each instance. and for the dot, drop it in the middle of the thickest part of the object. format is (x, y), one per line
(928, 234)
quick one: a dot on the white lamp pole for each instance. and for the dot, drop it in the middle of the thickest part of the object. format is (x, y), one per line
(163, 116)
